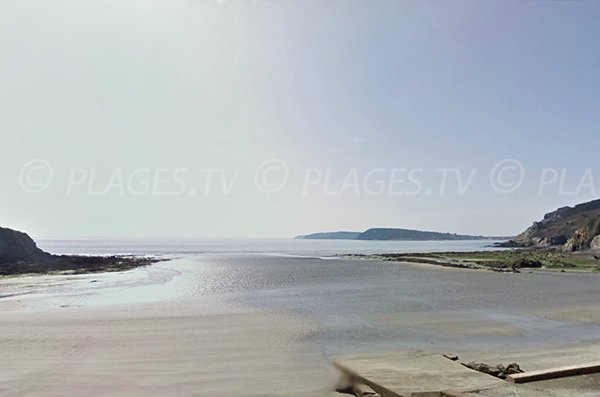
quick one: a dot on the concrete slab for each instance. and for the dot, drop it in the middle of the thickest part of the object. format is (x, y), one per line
(555, 373)
(416, 374)
(539, 359)
(429, 374)
(579, 386)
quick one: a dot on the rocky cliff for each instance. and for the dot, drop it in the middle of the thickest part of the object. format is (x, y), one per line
(17, 246)
(20, 255)
(570, 228)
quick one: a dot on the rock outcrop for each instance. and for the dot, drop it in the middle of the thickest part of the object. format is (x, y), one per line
(20, 255)
(17, 246)
(499, 371)
(595, 244)
(570, 228)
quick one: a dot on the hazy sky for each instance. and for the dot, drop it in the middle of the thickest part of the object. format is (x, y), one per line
(125, 108)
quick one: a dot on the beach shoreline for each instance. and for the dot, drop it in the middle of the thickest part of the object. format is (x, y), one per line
(147, 347)
(148, 331)
(507, 261)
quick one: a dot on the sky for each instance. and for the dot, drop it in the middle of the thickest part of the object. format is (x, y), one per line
(198, 118)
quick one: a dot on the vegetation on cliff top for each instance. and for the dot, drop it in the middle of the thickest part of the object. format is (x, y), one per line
(570, 228)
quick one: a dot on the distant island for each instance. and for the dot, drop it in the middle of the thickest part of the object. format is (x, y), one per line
(393, 234)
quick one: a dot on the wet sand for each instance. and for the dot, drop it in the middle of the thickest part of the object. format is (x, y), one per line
(252, 325)
(62, 338)
(98, 352)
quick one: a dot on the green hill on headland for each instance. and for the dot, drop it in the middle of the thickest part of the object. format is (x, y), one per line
(394, 234)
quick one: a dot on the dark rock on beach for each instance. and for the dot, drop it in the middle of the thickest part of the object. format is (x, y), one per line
(499, 371)
(17, 246)
(19, 254)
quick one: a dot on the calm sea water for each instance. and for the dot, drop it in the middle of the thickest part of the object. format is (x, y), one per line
(273, 246)
(359, 305)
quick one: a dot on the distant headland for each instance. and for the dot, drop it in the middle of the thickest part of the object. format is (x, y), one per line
(394, 234)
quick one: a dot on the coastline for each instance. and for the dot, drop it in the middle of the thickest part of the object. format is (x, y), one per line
(77, 264)
(154, 329)
(504, 261)
(90, 334)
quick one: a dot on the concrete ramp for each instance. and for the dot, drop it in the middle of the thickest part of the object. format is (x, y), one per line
(410, 374)
(549, 372)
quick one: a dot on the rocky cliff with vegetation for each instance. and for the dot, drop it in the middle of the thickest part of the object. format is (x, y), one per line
(19, 254)
(569, 228)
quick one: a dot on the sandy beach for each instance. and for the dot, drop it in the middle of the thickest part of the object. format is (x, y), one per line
(149, 349)
(96, 352)
(252, 325)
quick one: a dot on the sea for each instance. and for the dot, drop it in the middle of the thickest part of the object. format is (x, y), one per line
(359, 305)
